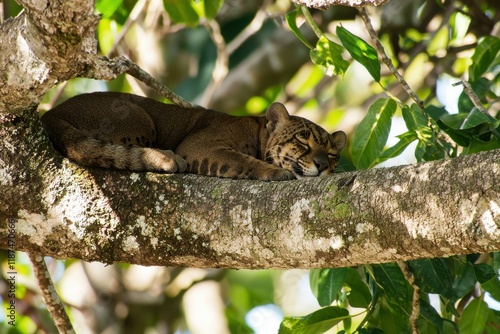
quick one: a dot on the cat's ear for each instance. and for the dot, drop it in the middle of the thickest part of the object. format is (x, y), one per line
(276, 114)
(339, 139)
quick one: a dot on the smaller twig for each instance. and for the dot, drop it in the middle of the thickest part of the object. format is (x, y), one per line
(221, 62)
(387, 60)
(472, 96)
(415, 310)
(49, 294)
(477, 103)
(250, 30)
(134, 70)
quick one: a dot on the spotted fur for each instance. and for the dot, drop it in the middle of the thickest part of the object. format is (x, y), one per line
(124, 131)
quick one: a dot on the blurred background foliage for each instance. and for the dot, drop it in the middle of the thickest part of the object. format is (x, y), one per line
(239, 56)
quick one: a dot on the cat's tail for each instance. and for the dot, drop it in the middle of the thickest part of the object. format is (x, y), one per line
(87, 150)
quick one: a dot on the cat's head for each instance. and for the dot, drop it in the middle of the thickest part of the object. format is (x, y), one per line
(299, 145)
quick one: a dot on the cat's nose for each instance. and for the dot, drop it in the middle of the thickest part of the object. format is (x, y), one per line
(321, 162)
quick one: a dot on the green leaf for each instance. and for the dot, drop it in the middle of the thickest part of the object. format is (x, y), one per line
(473, 320)
(360, 295)
(328, 55)
(390, 278)
(496, 261)
(291, 19)
(477, 145)
(329, 282)
(436, 112)
(212, 7)
(433, 276)
(390, 318)
(460, 137)
(430, 315)
(317, 322)
(483, 56)
(405, 139)
(429, 152)
(465, 281)
(371, 134)
(108, 7)
(463, 121)
(488, 279)
(361, 51)
(182, 11)
(416, 121)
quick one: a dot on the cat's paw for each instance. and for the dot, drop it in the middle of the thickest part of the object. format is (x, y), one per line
(164, 161)
(278, 174)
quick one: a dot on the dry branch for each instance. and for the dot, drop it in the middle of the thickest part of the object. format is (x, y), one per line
(49, 294)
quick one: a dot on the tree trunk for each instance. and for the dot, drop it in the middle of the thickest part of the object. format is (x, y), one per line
(49, 42)
(425, 210)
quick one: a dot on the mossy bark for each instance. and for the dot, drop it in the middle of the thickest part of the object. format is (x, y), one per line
(433, 209)
(59, 209)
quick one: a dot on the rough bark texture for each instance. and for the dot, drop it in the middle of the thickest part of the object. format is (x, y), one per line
(324, 4)
(50, 41)
(425, 210)
(58, 209)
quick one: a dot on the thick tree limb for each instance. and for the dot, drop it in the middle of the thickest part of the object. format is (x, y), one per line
(324, 4)
(426, 210)
(48, 42)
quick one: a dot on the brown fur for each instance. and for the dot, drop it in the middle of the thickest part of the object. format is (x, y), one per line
(124, 131)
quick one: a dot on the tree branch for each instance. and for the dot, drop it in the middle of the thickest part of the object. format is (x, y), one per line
(434, 209)
(105, 69)
(324, 4)
(49, 295)
(388, 62)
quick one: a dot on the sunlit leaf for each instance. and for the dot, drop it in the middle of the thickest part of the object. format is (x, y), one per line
(361, 51)
(182, 11)
(212, 8)
(483, 56)
(405, 139)
(328, 55)
(329, 283)
(372, 132)
(291, 19)
(108, 7)
(416, 121)
(106, 34)
(474, 317)
(317, 322)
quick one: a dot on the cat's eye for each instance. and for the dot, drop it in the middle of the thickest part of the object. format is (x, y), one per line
(302, 138)
(332, 156)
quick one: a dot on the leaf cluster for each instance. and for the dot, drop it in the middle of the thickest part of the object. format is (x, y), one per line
(378, 299)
